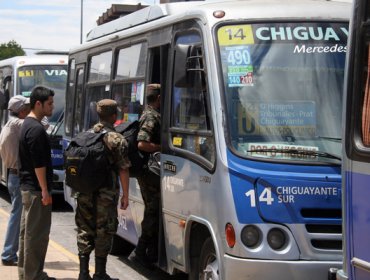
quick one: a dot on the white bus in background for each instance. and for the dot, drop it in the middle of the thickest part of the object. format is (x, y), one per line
(250, 141)
(18, 75)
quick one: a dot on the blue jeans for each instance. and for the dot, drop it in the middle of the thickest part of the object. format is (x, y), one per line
(12, 234)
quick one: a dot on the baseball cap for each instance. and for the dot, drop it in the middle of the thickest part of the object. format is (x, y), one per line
(107, 107)
(17, 102)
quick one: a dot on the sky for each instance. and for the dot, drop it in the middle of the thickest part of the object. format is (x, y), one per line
(51, 24)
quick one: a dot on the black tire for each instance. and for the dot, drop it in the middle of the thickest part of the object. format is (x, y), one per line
(207, 266)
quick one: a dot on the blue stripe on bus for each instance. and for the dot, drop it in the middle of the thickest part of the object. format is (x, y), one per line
(358, 219)
(281, 193)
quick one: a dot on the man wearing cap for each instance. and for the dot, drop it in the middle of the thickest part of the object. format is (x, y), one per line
(96, 213)
(19, 108)
(146, 251)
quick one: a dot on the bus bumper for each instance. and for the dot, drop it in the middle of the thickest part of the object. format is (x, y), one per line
(237, 268)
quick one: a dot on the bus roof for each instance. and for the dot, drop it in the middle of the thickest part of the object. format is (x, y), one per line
(246, 9)
(43, 59)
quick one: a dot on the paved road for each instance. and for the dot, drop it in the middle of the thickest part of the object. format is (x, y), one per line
(64, 235)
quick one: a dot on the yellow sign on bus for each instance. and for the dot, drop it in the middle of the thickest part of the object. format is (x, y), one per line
(235, 35)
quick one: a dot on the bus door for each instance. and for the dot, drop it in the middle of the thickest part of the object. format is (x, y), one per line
(157, 73)
(137, 64)
(74, 107)
(73, 110)
(128, 89)
(356, 167)
(188, 150)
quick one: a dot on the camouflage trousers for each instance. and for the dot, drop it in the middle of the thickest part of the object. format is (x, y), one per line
(96, 221)
(150, 191)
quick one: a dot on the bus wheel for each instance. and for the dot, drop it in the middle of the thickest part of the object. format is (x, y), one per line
(208, 262)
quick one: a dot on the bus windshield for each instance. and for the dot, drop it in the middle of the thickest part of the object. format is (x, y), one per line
(52, 76)
(283, 87)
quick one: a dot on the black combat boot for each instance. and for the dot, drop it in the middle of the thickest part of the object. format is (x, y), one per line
(139, 255)
(84, 267)
(100, 272)
(140, 250)
(152, 253)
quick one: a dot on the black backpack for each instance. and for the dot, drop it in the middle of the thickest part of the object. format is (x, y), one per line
(86, 162)
(138, 159)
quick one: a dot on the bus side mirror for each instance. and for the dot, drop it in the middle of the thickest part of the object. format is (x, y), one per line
(180, 72)
(188, 66)
(185, 65)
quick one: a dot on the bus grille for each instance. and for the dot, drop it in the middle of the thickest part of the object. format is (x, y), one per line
(327, 244)
(321, 234)
(324, 228)
(312, 213)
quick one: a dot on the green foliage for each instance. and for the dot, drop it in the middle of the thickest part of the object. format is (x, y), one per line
(10, 49)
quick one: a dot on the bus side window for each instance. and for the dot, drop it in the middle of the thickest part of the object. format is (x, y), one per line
(190, 98)
(78, 100)
(68, 113)
(98, 85)
(129, 77)
(127, 97)
(91, 116)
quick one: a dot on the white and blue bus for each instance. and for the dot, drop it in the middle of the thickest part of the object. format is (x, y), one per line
(251, 130)
(356, 148)
(18, 75)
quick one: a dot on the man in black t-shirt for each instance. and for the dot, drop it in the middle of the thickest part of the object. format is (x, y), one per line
(36, 176)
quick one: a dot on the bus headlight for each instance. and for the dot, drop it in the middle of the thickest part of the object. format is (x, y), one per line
(251, 236)
(276, 238)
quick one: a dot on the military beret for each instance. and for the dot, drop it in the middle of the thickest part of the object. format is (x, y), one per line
(106, 107)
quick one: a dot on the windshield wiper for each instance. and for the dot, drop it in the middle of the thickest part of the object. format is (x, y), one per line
(334, 139)
(297, 152)
(292, 138)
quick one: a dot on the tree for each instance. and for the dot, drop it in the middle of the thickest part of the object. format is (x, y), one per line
(10, 49)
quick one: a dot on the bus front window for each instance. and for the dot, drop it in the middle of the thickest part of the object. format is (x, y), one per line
(283, 87)
(52, 76)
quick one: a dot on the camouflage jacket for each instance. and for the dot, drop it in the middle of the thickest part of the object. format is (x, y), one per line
(116, 143)
(150, 124)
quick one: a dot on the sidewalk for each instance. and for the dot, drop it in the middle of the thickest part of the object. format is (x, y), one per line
(59, 263)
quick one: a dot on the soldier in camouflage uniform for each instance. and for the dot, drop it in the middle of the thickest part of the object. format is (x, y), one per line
(146, 252)
(96, 213)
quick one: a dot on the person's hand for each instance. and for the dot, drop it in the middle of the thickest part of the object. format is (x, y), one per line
(46, 198)
(124, 202)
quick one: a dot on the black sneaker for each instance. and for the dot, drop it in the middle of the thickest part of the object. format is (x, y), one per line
(9, 263)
